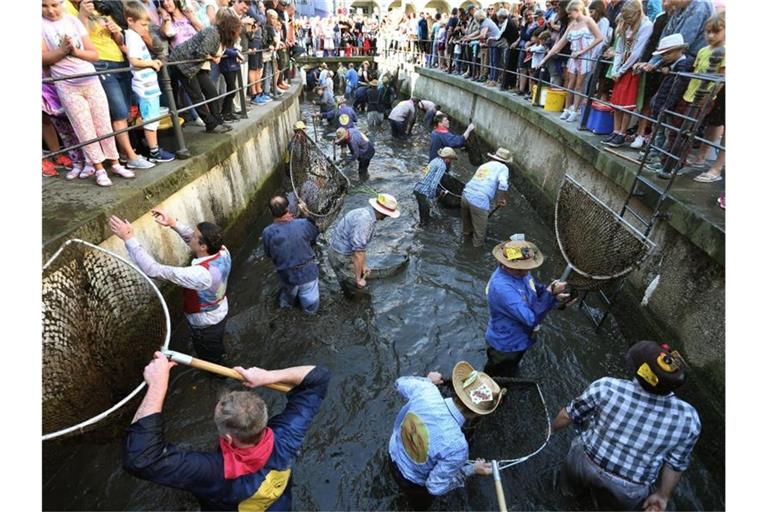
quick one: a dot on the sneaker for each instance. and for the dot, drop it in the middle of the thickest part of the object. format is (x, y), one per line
(139, 163)
(229, 117)
(255, 100)
(88, 171)
(198, 122)
(638, 142)
(617, 141)
(609, 138)
(654, 166)
(159, 155)
(706, 177)
(266, 98)
(121, 171)
(74, 173)
(574, 116)
(261, 100)
(102, 179)
(219, 128)
(50, 170)
(564, 115)
(63, 160)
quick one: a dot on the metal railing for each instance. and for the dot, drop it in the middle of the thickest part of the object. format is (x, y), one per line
(165, 81)
(471, 65)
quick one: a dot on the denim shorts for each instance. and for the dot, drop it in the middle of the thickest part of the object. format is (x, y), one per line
(117, 86)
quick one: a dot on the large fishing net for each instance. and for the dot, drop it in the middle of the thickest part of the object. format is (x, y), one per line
(597, 243)
(316, 180)
(102, 320)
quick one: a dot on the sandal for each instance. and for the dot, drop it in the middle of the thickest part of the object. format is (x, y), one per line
(102, 179)
(705, 177)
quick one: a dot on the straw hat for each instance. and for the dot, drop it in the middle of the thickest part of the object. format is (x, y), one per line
(386, 204)
(447, 152)
(656, 368)
(476, 390)
(299, 125)
(341, 135)
(518, 254)
(502, 155)
(669, 43)
(340, 100)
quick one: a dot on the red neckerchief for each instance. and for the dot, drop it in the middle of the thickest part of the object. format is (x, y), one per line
(243, 461)
(288, 217)
(441, 129)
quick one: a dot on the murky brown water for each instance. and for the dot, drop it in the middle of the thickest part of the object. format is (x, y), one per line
(425, 318)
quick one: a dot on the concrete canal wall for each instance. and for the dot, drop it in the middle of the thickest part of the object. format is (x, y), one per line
(680, 290)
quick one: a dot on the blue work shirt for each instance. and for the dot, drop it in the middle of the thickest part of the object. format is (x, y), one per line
(481, 189)
(516, 306)
(427, 443)
(427, 185)
(346, 117)
(147, 455)
(444, 139)
(289, 245)
(354, 231)
(352, 78)
(360, 147)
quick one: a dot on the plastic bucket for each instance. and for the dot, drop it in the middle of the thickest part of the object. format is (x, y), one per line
(166, 123)
(555, 101)
(543, 98)
(600, 120)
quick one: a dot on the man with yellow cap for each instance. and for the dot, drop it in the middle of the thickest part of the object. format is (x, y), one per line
(353, 234)
(427, 449)
(635, 437)
(360, 148)
(517, 304)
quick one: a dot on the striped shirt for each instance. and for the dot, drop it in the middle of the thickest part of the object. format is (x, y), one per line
(630, 432)
(427, 185)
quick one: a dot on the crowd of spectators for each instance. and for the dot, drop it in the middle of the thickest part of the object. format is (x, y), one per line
(204, 44)
(562, 43)
(337, 36)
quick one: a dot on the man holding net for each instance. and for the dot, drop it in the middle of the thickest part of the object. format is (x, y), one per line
(635, 437)
(517, 304)
(427, 449)
(360, 148)
(251, 468)
(204, 282)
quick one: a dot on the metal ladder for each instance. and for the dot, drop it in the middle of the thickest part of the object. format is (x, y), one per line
(673, 162)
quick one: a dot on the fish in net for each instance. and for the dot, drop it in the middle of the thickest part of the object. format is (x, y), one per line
(516, 431)
(316, 180)
(596, 243)
(102, 320)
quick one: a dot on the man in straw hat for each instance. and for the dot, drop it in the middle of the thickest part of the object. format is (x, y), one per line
(425, 189)
(427, 449)
(490, 180)
(251, 467)
(635, 437)
(441, 137)
(352, 235)
(346, 117)
(517, 304)
(360, 148)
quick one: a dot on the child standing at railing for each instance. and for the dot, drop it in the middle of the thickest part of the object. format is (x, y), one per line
(144, 83)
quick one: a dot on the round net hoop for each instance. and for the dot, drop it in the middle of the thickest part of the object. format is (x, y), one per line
(598, 244)
(102, 320)
(316, 180)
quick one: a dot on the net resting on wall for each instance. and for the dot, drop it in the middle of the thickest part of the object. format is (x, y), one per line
(599, 245)
(102, 320)
(316, 180)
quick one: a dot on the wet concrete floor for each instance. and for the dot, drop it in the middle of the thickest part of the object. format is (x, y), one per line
(425, 318)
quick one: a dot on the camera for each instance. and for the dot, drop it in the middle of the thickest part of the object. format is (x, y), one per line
(104, 7)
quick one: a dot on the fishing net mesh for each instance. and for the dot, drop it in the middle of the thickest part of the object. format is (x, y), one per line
(102, 321)
(594, 240)
(316, 180)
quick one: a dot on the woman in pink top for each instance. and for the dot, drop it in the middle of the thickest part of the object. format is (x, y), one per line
(67, 50)
(180, 25)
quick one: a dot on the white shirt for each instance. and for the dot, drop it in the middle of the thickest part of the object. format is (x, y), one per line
(144, 82)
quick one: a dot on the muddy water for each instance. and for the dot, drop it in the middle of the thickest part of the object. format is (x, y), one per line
(424, 318)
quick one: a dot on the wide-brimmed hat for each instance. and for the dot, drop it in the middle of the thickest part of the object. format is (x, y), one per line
(386, 204)
(476, 390)
(656, 368)
(669, 43)
(502, 155)
(341, 134)
(518, 254)
(447, 152)
(299, 125)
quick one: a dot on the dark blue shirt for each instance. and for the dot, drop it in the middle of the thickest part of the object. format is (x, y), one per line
(444, 139)
(346, 117)
(289, 245)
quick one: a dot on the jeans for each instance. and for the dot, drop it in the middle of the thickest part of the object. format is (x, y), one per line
(494, 57)
(307, 293)
(424, 208)
(502, 364)
(209, 341)
(398, 128)
(117, 86)
(230, 77)
(418, 495)
(267, 77)
(199, 87)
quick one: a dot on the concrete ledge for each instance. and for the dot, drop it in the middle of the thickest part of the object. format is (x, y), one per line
(690, 206)
(225, 172)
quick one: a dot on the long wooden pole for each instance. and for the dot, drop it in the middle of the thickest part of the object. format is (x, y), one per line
(499, 489)
(187, 360)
